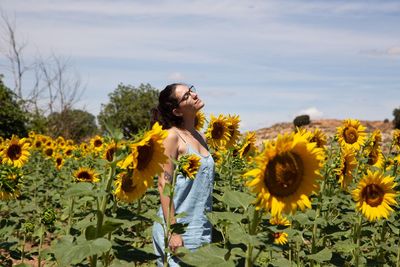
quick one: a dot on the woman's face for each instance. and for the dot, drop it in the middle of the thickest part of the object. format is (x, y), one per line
(188, 98)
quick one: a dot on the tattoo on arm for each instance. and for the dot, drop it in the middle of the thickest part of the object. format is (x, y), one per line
(167, 177)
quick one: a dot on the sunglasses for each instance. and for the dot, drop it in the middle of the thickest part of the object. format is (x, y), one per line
(185, 97)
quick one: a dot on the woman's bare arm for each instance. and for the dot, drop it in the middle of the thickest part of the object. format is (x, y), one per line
(171, 151)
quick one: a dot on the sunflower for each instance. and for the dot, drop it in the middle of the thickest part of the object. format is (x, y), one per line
(249, 145)
(396, 139)
(347, 165)
(374, 195)
(70, 142)
(147, 155)
(199, 120)
(286, 174)
(217, 133)
(4, 195)
(375, 156)
(280, 238)
(49, 151)
(351, 134)
(37, 143)
(279, 220)
(9, 182)
(217, 157)
(86, 175)
(15, 152)
(49, 143)
(97, 143)
(84, 148)
(319, 137)
(233, 127)
(189, 165)
(60, 141)
(110, 151)
(376, 138)
(32, 134)
(129, 188)
(68, 151)
(59, 161)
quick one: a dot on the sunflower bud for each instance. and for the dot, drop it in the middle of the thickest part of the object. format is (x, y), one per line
(29, 227)
(48, 217)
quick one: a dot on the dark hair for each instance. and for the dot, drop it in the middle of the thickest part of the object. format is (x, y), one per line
(163, 112)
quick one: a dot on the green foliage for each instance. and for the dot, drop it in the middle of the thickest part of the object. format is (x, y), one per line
(37, 122)
(72, 124)
(301, 120)
(12, 117)
(396, 120)
(129, 108)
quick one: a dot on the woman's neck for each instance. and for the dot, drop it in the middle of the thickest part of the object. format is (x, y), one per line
(188, 124)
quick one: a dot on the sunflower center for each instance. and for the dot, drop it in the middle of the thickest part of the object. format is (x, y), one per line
(58, 161)
(373, 157)
(38, 144)
(217, 131)
(127, 184)
(110, 154)
(49, 151)
(315, 139)
(14, 152)
(283, 174)
(145, 154)
(373, 195)
(344, 170)
(277, 235)
(350, 135)
(97, 143)
(246, 149)
(84, 175)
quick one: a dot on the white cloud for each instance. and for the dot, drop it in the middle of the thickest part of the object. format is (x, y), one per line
(394, 51)
(313, 112)
(391, 51)
(176, 77)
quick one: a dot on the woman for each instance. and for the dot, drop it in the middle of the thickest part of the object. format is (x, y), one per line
(176, 111)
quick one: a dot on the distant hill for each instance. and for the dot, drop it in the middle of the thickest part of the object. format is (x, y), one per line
(328, 126)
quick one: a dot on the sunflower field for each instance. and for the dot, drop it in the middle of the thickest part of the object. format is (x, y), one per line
(301, 199)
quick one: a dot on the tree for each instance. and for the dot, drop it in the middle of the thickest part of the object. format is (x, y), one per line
(301, 120)
(12, 118)
(396, 120)
(56, 87)
(72, 124)
(129, 108)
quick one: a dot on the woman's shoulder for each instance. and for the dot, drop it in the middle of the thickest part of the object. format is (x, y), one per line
(172, 135)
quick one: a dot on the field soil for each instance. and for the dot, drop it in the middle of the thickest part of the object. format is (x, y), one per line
(328, 126)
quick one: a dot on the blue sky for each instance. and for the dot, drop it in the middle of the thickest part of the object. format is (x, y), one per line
(266, 61)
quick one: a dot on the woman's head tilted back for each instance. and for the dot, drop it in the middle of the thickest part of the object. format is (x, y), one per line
(167, 102)
(176, 102)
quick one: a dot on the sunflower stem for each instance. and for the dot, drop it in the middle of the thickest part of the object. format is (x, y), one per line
(396, 164)
(381, 253)
(358, 234)
(101, 211)
(71, 214)
(167, 234)
(23, 248)
(398, 252)
(252, 231)
(317, 215)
